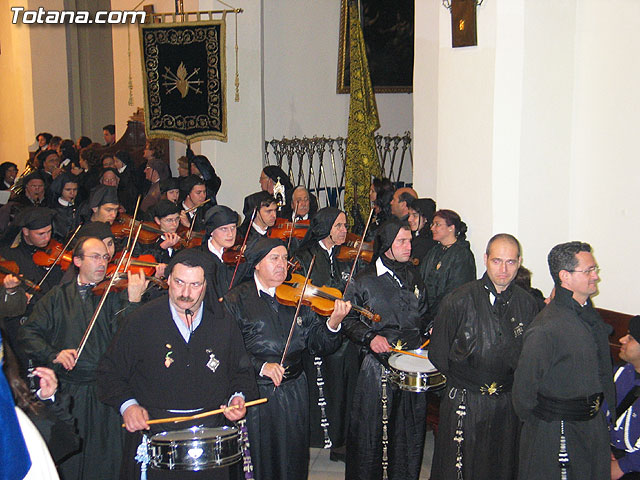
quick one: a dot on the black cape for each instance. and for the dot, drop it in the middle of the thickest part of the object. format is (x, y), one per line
(565, 355)
(279, 430)
(149, 361)
(403, 319)
(474, 344)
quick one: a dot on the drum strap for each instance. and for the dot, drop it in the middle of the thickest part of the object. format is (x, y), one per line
(247, 466)
(459, 435)
(385, 425)
(142, 456)
(563, 455)
(322, 402)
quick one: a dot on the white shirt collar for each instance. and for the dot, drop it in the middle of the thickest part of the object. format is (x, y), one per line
(258, 229)
(270, 291)
(213, 250)
(124, 167)
(381, 268)
(182, 328)
(324, 247)
(64, 203)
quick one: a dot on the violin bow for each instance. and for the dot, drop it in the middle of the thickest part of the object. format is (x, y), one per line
(133, 246)
(189, 210)
(353, 267)
(133, 222)
(293, 225)
(295, 316)
(85, 337)
(242, 248)
(55, 262)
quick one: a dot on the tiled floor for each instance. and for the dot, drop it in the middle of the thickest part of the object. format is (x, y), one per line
(324, 469)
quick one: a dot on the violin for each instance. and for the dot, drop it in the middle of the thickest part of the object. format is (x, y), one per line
(349, 249)
(144, 263)
(9, 267)
(46, 257)
(122, 282)
(121, 228)
(233, 255)
(283, 229)
(320, 299)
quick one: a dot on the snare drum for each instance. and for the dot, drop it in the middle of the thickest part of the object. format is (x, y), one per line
(415, 374)
(195, 449)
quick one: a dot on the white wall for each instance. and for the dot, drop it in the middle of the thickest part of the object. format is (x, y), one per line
(537, 130)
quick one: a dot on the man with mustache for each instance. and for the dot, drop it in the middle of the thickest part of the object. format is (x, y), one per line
(180, 354)
(279, 430)
(50, 338)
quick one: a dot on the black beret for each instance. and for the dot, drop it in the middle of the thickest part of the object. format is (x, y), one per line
(320, 225)
(170, 183)
(32, 176)
(386, 234)
(103, 194)
(34, 218)
(254, 201)
(159, 166)
(60, 181)
(274, 173)
(42, 156)
(634, 328)
(99, 230)
(217, 216)
(261, 249)
(109, 169)
(164, 208)
(187, 183)
(192, 257)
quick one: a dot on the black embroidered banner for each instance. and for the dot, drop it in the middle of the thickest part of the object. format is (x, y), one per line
(184, 80)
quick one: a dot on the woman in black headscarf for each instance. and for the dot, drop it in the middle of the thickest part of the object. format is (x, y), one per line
(450, 263)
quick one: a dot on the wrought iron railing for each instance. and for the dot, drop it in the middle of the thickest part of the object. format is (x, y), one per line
(318, 163)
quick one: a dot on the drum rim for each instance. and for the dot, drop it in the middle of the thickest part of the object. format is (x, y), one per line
(417, 351)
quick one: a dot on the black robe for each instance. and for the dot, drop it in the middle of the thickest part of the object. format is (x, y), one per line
(22, 254)
(421, 243)
(58, 322)
(279, 430)
(223, 273)
(444, 269)
(340, 369)
(136, 366)
(474, 344)
(565, 355)
(403, 319)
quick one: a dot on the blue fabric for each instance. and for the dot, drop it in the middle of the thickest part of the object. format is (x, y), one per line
(626, 434)
(14, 457)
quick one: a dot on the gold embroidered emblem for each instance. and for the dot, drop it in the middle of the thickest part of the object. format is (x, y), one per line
(492, 389)
(399, 345)
(181, 81)
(595, 408)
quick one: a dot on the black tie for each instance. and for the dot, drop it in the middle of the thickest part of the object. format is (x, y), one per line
(84, 289)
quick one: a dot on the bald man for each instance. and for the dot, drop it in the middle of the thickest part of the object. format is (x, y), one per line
(401, 200)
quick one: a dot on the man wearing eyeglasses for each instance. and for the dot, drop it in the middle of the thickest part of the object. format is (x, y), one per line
(51, 336)
(476, 341)
(563, 375)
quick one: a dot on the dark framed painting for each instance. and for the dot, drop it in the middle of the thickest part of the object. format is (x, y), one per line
(388, 29)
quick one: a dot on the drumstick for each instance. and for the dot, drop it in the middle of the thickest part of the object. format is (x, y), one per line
(425, 344)
(204, 414)
(406, 353)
